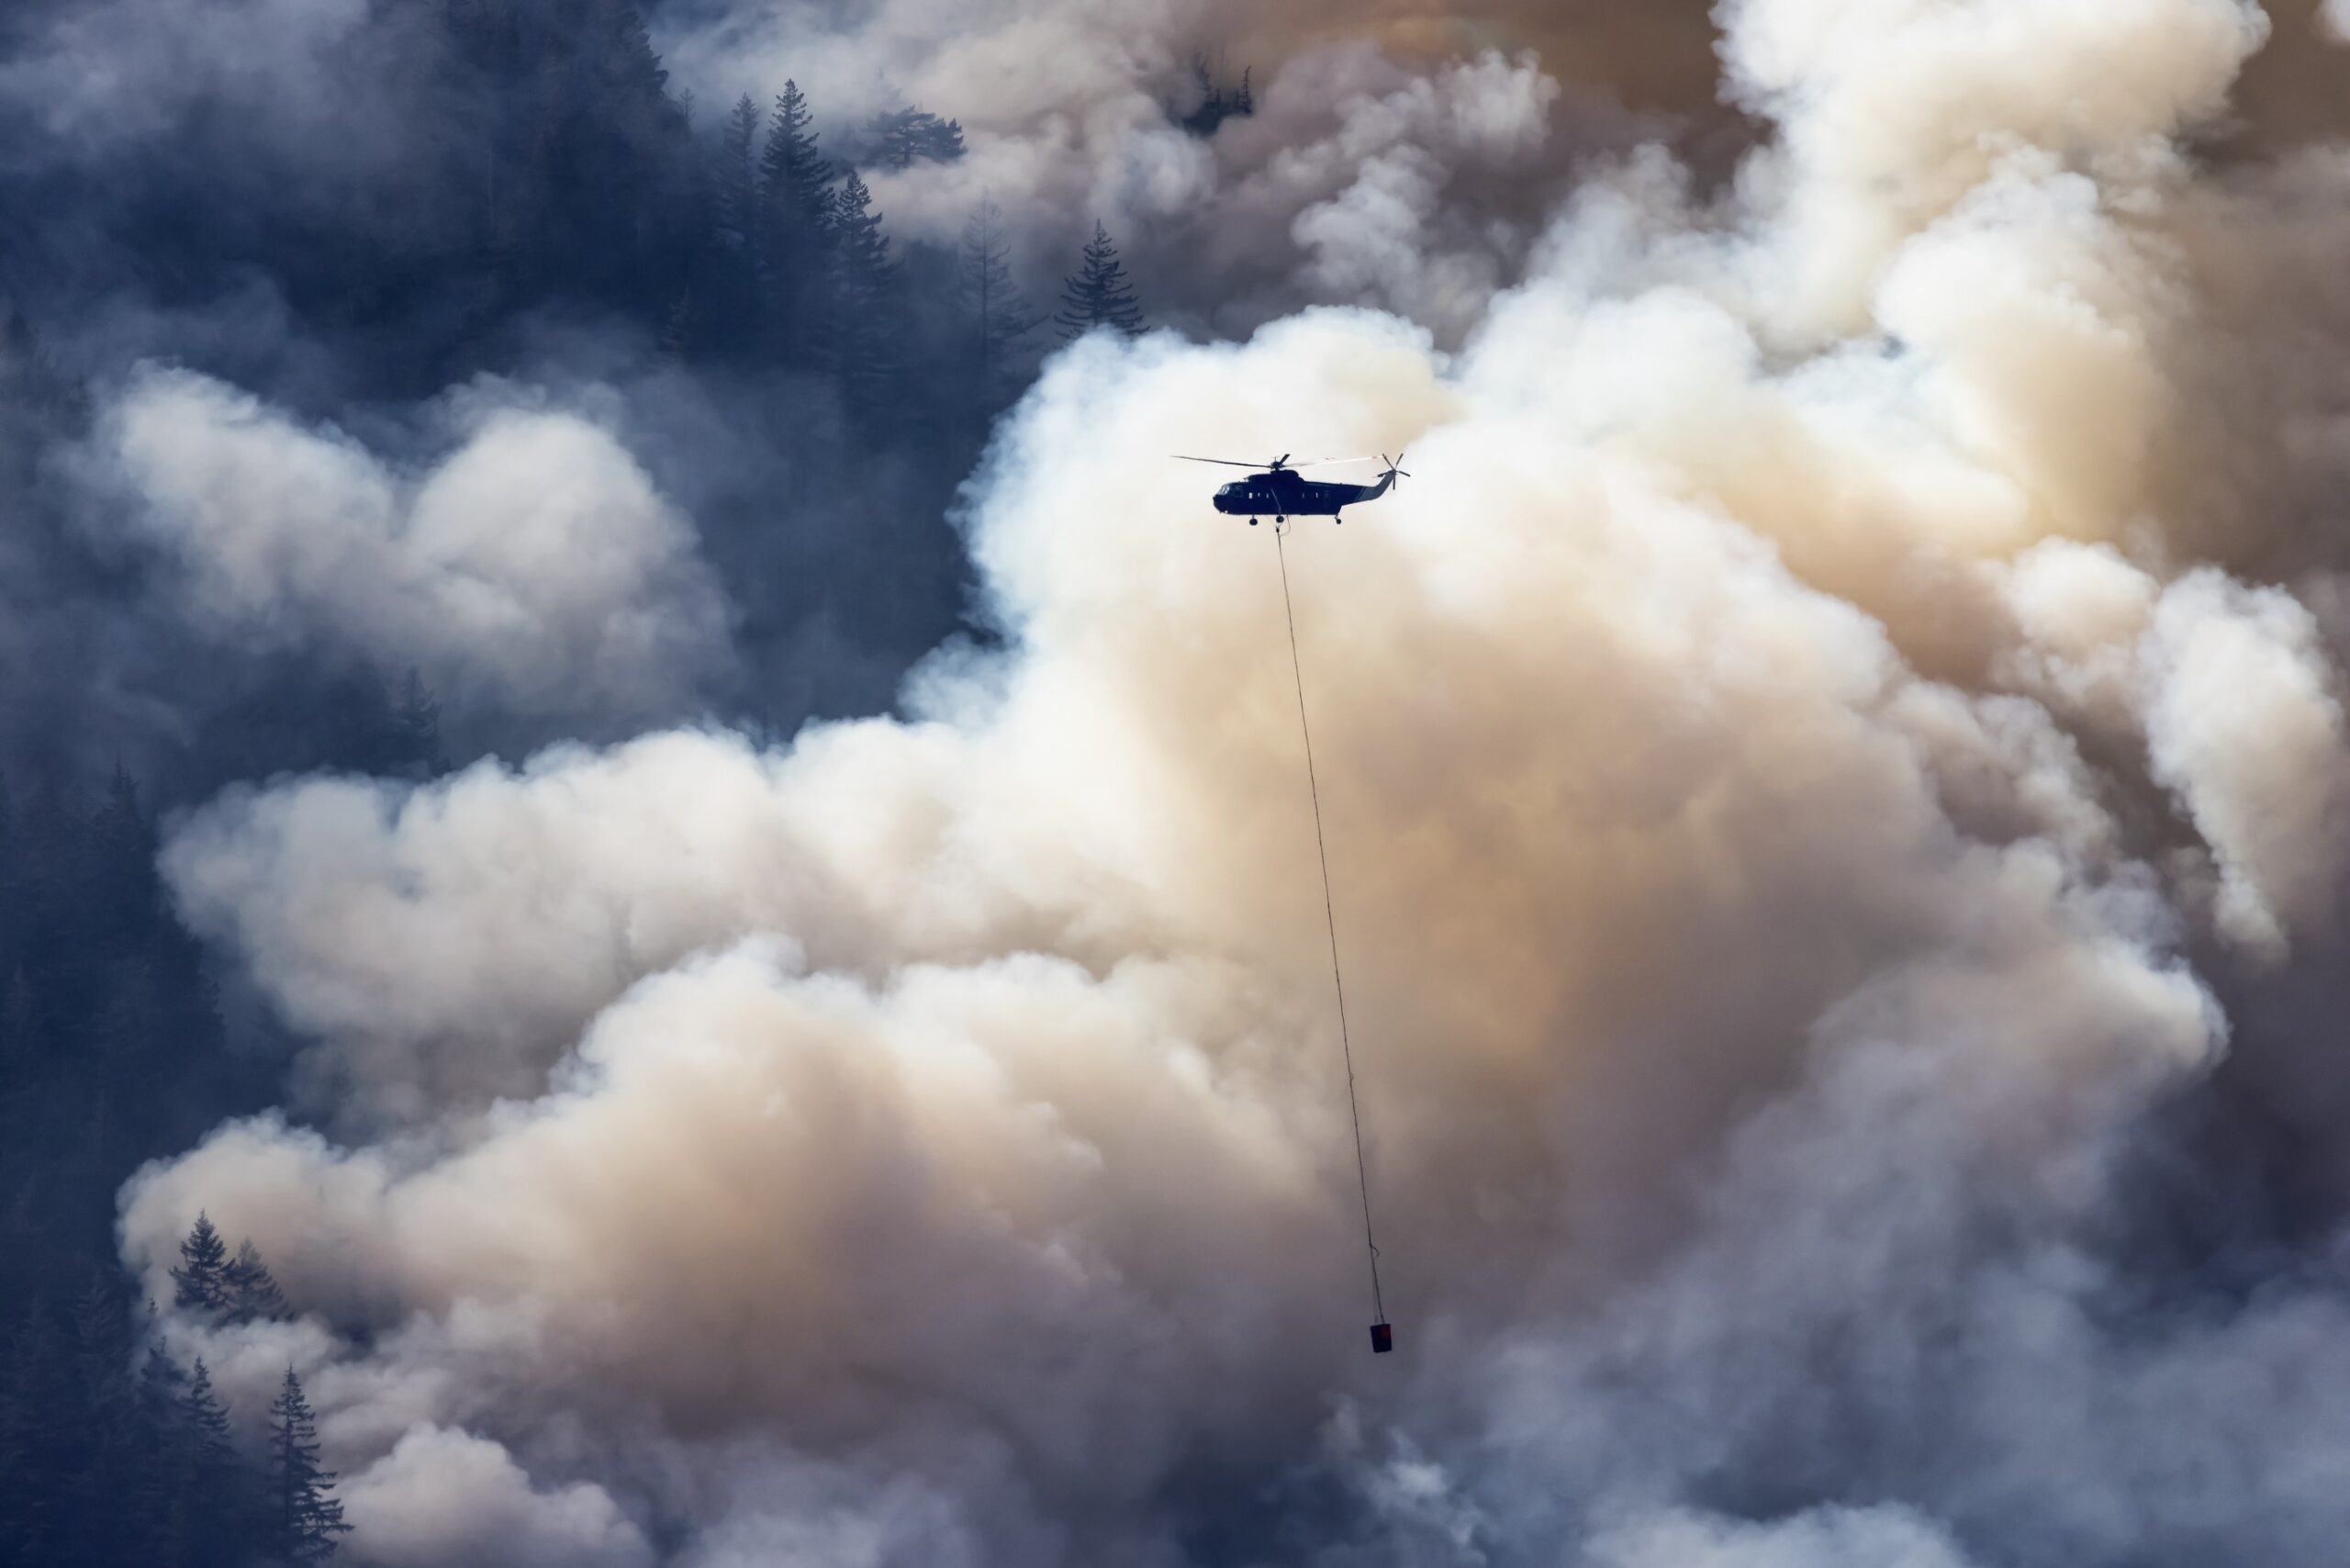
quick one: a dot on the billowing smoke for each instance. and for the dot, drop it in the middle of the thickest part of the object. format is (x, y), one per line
(1361, 177)
(1837, 809)
(532, 570)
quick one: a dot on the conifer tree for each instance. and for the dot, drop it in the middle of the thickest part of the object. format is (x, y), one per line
(252, 1295)
(212, 1497)
(795, 200)
(1098, 294)
(205, 1423)
(998, 311)
(863, 324)
(902, 137)
(203, 1273)
(738, 177)
(307, 1516)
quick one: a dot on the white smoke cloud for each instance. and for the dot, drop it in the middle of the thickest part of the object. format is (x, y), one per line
(532, 570)
(1887, 1537)
(2247, 727)
(444, 1498)
(1786, 763)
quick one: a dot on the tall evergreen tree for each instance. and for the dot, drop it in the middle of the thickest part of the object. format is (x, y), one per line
(1097, 295)
(1218, 103)
(205, 1422)
(308, 1517)
(738, 175)
(252, 1295)
(864, 334)
(999, 313)
(202, 1276)
(210, 1501)
(902, 137)
(795, 207)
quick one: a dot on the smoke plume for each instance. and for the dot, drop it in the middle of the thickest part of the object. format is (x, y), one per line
(1834, 770)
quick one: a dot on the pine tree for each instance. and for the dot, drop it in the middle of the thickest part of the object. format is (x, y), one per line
(203, 1273)
(902, 137)
(796, 208)
(110, 1451)
(1216, 103)
(863, 339)
(999, 312)
(738, 177)
(197, 1497)
(1099, 294)
(207, 1421)
(308, 1517)
(252, 1293)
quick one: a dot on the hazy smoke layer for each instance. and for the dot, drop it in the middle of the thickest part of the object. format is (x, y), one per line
(1358, 179)
(1837, 845)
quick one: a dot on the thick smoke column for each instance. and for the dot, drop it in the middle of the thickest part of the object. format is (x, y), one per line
(1823, 824)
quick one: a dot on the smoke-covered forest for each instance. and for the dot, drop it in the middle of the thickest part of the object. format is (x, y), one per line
(546, 199)
(659, 900)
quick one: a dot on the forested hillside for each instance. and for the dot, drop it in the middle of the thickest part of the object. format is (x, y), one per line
(521, 182)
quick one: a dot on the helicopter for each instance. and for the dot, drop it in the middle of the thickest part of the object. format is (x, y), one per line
(1279, 492)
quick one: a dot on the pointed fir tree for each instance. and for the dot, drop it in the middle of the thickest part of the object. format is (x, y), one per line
(307, 1516)
(252, 1295)
(864, 325)
(795, 200)
(212, 1498)
(738, 177)
(207, 1421)
(203, 1273)
(1217, 103)
(1099, 294)
(999, 313)
(902, 137)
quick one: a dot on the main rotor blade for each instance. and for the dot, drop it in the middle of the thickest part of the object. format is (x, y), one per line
(1276, 463)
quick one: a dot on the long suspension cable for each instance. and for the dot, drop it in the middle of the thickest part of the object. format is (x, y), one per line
(1330, 917)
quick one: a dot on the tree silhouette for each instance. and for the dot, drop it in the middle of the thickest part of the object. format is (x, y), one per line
(1098, 294)
(738, 175)
(205, 1423)
(902, 137)
(208, 1494)
(863, 325)
(1217, 102)
(307, 1516)
(202, 1277)
(1000, 314)
(252, 1293)
(795, 207)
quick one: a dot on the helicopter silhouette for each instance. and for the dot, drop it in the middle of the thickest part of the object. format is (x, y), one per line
(1279, 492)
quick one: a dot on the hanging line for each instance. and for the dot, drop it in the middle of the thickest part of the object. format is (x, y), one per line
(1330, 917)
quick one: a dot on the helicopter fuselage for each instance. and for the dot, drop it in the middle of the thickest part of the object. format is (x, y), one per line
(1283, 493)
